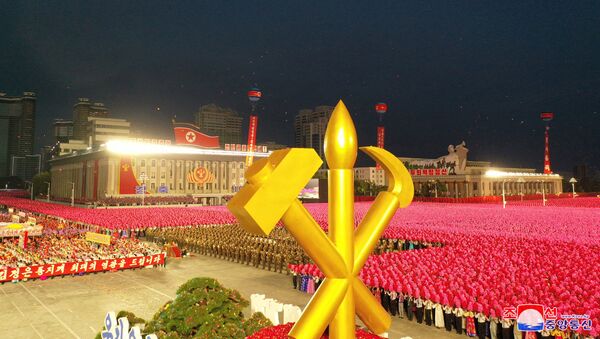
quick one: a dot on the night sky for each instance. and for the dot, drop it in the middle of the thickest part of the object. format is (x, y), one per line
(476, 71)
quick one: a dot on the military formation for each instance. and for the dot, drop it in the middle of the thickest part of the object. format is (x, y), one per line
(273, 252)
(231, 242)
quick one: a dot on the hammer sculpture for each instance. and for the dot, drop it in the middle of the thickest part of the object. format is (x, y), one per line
(270, 195)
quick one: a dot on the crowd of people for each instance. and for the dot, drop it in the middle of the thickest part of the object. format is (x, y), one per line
(127, 218)
(490, 258)
(54, 249)
(274, 252)
(150, 200)
(233, 243)
(64, 241)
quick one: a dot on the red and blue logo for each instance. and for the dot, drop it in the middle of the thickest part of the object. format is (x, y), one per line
(535, 318)
(530, 317)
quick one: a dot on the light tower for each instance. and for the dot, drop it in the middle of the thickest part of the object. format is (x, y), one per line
(381, 109)
(254, 95)
(547, 117)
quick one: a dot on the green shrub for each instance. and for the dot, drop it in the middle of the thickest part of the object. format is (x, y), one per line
(255, 323)
(203, 308)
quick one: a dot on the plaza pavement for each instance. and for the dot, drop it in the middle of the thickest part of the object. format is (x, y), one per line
(74, 307)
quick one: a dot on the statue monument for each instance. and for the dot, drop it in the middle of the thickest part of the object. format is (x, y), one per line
(270, 195)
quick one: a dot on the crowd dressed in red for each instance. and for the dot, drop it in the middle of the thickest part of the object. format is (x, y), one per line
(281, 331)
(64, 242)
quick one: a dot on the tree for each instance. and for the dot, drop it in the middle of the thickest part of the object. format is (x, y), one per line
(361, 187)
(428, 189)
(203, 308)
(40, 181)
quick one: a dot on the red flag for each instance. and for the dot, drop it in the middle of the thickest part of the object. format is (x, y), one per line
(189, 135)
(127, 180)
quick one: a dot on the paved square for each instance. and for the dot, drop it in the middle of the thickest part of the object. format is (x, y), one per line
(74, 307)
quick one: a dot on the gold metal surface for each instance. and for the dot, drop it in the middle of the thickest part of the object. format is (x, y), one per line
(271, 195)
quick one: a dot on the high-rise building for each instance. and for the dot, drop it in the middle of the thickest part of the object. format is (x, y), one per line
(83, 110)
(63, 130)
(215, 120)
(101, 130)
(310, 126)
(17, 127)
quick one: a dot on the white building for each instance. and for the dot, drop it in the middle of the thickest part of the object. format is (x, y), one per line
(371, 174)
(100, 130)
(72, 146)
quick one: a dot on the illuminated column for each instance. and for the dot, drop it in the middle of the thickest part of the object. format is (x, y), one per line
(381, 109)
(547, 169)
(251, 138)
(547, 117)
(254, 95)
(341, 155)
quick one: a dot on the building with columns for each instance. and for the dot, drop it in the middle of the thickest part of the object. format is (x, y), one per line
(464, 178)
(480, 178)
(123, 167)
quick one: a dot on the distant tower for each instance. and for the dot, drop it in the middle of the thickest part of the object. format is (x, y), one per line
(381, 108)
(547, 117)
(254, 95)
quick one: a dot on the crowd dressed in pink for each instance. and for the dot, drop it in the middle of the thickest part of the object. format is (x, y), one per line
(128, 217)
(491, 257)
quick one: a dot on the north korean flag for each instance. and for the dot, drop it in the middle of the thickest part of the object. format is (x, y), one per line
(189, 135)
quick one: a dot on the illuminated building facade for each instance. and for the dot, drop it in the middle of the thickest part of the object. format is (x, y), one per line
(120, 168)
(461, 178)
(101, 130)
(464, 178)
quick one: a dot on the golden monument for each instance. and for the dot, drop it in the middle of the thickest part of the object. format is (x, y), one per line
(271, 195)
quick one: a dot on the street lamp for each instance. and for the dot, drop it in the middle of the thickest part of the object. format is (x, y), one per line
(573, 181)
(521, 181)
(496, 175)
(503, 194)
(48, 195)
(72, 194)
(434, 187)
(31, 188)
(143, 177)
(543, 193)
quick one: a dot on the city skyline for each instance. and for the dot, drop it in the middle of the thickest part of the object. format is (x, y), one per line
(449, 72)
